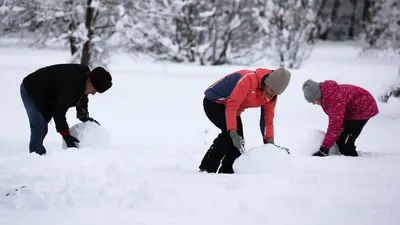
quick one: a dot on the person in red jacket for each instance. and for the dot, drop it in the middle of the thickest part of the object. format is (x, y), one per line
(349, 108)
(223, 104)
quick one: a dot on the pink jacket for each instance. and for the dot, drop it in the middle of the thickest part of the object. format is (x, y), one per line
(344, 102)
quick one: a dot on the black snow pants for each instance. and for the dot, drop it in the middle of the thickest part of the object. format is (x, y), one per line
(351, 129)
(222, 153)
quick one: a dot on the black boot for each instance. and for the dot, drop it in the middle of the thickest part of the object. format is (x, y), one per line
(226, 168)
(212, 159)
(207, 164)
(347, 147)
(348, 136)
(230, 157)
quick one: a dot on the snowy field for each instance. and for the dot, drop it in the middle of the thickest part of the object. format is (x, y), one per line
(158, 134)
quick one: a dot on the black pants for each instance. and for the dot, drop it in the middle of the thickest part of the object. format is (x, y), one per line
(350, 131)
(222, 153)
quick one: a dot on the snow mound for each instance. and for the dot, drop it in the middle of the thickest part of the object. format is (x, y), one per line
(260, 159)
(313, 143)
(89, 134)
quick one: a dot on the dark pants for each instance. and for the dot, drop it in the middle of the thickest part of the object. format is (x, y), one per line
(37, 123)
(350, 132)
(222, 153)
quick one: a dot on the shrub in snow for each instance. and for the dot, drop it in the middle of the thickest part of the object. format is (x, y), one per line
(260, 159)
(313, 143)
(393, 89)
(382, 33)
(89, 134)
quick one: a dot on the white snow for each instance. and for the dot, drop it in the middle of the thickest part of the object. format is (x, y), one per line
(261, 159)
(158, 134)
(312, 142)
(89, 134)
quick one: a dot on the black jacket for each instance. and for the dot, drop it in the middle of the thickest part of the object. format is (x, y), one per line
(54, 89)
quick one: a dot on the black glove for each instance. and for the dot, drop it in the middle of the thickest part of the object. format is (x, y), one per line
(268, 141)
(322, 152)
(70, 141)
(89, 119)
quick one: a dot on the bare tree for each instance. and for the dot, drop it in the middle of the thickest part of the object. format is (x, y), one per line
(231, 32)
(93, 35)
(85, 25)
(288, 25)
(88, 25)
(206, 32)
(383, 32)
(186, 30)
(340, 19)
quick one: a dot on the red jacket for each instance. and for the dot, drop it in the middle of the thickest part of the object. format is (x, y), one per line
(344, 102)
(241, 90)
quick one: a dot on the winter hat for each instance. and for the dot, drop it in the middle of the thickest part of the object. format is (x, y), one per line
(278, 80)
(311, 90)
(100, 79)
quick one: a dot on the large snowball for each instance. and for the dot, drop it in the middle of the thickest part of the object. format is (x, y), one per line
(312, 144)
(260, 159)
(89, 134)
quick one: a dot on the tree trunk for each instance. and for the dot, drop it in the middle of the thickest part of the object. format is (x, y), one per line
(356, 18)
(88, 24)
(191, 38)
(222, 56)
(367, 13)
(73, 45)
(353, 19)
(72, 27)
(334, 16)
(317, 28)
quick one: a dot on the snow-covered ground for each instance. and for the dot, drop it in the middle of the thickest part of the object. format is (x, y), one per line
(158, 134)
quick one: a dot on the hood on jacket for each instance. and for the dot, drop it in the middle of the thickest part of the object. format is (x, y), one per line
(261, 75)
(330, 93)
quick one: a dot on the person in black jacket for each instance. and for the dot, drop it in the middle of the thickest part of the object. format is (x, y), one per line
(50, 91)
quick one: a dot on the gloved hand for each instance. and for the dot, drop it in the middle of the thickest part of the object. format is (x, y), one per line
(322, 152)
(89, 119)
(238, 141)
(70, 141)
(268, 141)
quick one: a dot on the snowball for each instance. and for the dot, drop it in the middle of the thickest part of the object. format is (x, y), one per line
(89, 134)
(260, 159)
(313, 143)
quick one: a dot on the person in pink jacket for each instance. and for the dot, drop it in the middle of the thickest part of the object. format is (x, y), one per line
(349, 108)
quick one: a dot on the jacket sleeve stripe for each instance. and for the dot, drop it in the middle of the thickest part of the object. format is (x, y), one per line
(237, 96)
